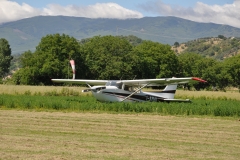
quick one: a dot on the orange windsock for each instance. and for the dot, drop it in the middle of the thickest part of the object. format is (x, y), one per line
(73, 67)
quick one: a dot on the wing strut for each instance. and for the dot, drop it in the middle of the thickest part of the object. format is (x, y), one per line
(87, 90)
(134, 92)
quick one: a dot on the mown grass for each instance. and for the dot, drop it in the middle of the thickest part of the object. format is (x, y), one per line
(58, 135)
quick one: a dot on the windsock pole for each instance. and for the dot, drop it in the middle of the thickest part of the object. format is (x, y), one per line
(73, 67)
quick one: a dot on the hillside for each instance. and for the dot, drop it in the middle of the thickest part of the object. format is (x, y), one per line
(25, 34)
(215, 47)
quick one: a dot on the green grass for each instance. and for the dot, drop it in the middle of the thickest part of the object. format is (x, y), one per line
(71, 99)
(211, 107)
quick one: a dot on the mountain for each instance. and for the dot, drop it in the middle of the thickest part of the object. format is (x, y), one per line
(218, 48)
(25, 34)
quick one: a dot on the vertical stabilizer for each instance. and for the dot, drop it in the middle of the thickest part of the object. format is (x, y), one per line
(170, 91)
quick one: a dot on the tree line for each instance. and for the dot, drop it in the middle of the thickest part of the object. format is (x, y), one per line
(119, 57)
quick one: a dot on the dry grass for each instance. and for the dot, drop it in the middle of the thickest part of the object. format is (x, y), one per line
(21, 89)
(182, 47)
(209, 94)
(44, 135)
(14, 89)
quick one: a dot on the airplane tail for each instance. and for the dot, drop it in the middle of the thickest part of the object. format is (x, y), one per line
(169, 91)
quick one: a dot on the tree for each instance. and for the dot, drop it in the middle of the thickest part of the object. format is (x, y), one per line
(176, 44)
(133, 40)
(232, 67)
(194, 65)
(221, 37)
(152, 59)
(106, 57)
(50, 60)
(5, 57)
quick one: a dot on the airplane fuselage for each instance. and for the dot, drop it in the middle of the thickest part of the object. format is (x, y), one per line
(114, 94)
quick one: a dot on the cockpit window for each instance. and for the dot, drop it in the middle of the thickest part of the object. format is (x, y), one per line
(114, 83)
(108, 83)
(119, 85)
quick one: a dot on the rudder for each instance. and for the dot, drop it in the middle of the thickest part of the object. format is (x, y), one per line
(170, 91)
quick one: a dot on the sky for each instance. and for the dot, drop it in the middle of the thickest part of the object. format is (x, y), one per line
(216, 11)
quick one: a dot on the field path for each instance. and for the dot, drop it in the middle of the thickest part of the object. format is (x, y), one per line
(57, 135)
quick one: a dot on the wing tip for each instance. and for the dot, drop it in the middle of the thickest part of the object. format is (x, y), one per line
(198, 79)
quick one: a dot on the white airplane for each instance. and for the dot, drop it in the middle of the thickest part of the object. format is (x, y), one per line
(131, 90)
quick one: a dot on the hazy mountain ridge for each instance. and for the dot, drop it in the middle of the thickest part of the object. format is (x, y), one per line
(25, 34)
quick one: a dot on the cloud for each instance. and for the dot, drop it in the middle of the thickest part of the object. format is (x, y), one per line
(99, 10)
(221, 14)
(11, 11)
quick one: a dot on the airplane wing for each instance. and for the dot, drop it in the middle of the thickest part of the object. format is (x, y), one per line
(81, 81)
(161, 81)
(136, 82)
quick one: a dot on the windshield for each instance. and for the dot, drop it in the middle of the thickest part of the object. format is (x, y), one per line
(114, 83)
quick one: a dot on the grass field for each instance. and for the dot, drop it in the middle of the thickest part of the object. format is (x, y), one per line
(235, 95)
(21, 89)
(39, 122)
(58, 135)
(13, 89)
(71, 99)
